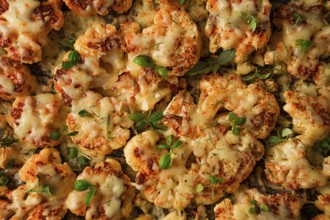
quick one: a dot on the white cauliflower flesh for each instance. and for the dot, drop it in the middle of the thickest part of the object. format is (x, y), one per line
(243, 25)
(101, 122)
(218, 155)
(287, 164)
(48, 183)
(302, 40)
(276, 206)
(310, 114)
(323, 201)
(15, 79)
(35, 119)
(100, 60)
(144, 92)
(24, 30)
(172, 41)
(113, 194)
(101, 7)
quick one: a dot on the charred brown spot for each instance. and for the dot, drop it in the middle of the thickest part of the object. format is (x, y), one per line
(17, 111)
(3, 6)
(141, 178)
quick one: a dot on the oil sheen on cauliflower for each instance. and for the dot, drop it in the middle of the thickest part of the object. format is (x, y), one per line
(35, 118)
(24, 26)
(231, 25)
(172, 41)
(102, 127)
(280, 205)
(15, 79)
(113, 193)
(40, 170)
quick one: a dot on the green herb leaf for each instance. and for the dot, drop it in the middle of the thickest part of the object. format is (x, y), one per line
(226, 56)
(232, 116)
(74, 57)
(81, 185)
(215, 180)
(253, 22)
(73, 152)
(264, 207)
(55, 135)
(73, 133)
(83, 113)
(83, 162)
(67, 65)
(165, 161)
(298, 17)
(199, 188)
(249, 77)
(156, 116)
(182, 2)
(304, 44)
(68, 43)
(137, 117)
(325, 147)
(89, 196)
(176, 144)
(286, 132)
(10, 164)
(7, 141)
(275, 139)
(46, 189)
(158, 126)
(239, 121)
(235, 130)
(162, 71)
(143, 61)
(3, 179)
(264, 76)
(140, 125)
(169, 139)
(199, 68)
(163, 146)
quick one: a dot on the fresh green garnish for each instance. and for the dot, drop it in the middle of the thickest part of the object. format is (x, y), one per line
(275, 139)
(55, 135)
(73, 58)
(143, 61)
(6, 140)
(213, 63)
(162, 71)
(215, 180)
(199, 188)
(68, 43)
(282, 136)
(255, 75)
(165, 160)
(44, 189)
(253, 22)
(182, 2)
(325, 147)
(83, 113)
(303, 44)
(3, 179)
(142, 120)
(73, 133)
(256, 209)
(298, 18)
(236, 122)
(82, 185)
(73, 152)
(83, 162)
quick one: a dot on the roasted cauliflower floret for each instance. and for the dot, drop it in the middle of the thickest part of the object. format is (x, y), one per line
(275, 206)
(173, 41)
(24, 26)
(218, 155)
(144, 92)
(323, 200)
(102, 124)
(300, 43)
(35, 118)
(243, 25)
(101, 7)
(48, 183)
(100, 60)
(310, 114)
(113, 193)
(287, 164)
(15, 79)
